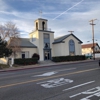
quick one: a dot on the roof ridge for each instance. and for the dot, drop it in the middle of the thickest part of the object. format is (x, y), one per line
(62, 36)
(60, 39)
(89, 43)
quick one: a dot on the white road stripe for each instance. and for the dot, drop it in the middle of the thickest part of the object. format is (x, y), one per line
(78, 85)
(46, 74)
(75, 95)
(91, 92)
(52, 72)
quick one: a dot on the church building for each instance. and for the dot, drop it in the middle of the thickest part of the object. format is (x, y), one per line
(42, 42)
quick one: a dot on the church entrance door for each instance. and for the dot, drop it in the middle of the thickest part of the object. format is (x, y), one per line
(47, 55)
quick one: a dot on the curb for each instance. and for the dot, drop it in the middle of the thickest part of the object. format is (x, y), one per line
(45, 66)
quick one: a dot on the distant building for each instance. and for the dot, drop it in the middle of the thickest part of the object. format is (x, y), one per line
(87, 49)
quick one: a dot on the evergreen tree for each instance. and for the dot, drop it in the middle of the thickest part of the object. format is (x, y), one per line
(4, 51)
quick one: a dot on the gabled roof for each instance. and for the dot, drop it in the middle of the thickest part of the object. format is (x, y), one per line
(60, 39)
(89, 45)
(25, 42)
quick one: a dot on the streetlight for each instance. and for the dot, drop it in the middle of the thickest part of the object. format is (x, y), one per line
(92, 23)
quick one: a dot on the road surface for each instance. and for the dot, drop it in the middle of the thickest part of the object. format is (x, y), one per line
(79, 81)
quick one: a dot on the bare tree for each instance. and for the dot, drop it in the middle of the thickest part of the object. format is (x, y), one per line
(10, 33)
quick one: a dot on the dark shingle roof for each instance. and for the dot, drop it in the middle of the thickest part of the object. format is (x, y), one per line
(25, 42)
(60, 39)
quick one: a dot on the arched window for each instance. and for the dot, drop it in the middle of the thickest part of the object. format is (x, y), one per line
(71, 47)
(43, 25)
(36, 25)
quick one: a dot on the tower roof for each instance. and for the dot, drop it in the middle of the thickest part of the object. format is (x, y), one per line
(41, 19)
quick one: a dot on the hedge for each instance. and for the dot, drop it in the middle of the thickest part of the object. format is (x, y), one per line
(68, 58)
(26, 61)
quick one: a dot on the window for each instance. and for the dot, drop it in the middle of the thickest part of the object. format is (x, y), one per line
(43, 25)
(46, 36)
(46, 41)
(36, 26)
(33, 39)
(25, 54)
(96, 49)
(71, 47)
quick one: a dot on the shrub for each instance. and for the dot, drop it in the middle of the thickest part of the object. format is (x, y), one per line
(3, 66)
(26, 61)
(68, 58)
(35, 55)
(56, 59)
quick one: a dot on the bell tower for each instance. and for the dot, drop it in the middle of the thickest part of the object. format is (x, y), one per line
(43, 38)
(41, 24)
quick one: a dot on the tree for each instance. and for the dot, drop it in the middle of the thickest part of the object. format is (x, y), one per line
(4, 51)
(10, 33)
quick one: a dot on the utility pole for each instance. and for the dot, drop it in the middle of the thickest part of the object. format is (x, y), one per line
(92, 23)
(71, 32)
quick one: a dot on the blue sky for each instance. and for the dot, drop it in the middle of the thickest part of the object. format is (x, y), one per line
(62, 15)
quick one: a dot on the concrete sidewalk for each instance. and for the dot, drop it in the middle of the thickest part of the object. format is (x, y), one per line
(40, 65)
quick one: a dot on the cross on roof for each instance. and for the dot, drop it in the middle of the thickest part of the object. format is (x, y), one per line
(71, 32)
(40, 14)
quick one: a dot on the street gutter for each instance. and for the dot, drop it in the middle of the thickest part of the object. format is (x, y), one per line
(42, 66)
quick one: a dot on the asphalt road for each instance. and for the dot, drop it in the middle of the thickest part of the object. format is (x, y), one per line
(79, 81)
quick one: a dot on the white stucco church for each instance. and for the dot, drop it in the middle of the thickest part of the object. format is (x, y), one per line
(42, 42)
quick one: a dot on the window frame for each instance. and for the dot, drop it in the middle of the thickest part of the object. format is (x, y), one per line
(71, 46)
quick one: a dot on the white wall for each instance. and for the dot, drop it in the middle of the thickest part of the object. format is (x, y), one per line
(3, 60)
(57, 49)
(30, 50)
(62, 49)
(34, 34)
(77, 46)
(41, 43)
(89, 51)
(40, 23)
(97, 55)
(96, 48)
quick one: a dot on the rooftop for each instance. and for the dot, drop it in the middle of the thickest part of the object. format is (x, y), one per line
(89, 45)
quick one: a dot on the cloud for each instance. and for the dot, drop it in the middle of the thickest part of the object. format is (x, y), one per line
(79, 23)
(76, 19)
(68, 9)
(3, 6)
